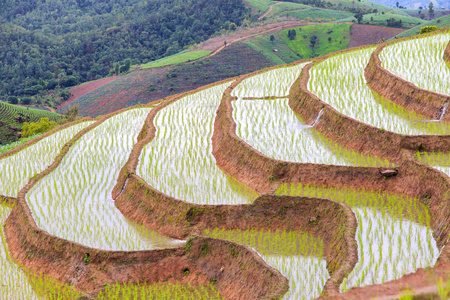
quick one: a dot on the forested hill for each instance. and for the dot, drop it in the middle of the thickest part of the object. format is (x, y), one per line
(44, 43)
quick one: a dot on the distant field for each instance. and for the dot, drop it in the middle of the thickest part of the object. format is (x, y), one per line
(176, 59)
(381, 19)
(339, 39)
(259, 6)
(442, 22)
(152, 84)
(315, 14)
(8, 115)
(263, 45)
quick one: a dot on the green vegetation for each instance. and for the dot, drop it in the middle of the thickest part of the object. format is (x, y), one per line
(165, 291)
(266, 47)
(317, 40)
(176, 59)
(427, 29)
(7, 147)
(383, 20)
(12, 118)
(442, 22)
(54, 43)
(33, 128)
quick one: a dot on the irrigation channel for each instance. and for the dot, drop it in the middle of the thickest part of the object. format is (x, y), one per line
(74, 201)
(390, 245)
(406, 59)
(339, 81)
(17, 169)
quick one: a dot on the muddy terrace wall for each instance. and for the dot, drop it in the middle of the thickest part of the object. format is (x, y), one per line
(400, 91)
(65, 261)
(447, 53)
(334, 222)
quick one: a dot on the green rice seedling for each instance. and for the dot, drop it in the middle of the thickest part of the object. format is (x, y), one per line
(420, 61)
(158, 291)
(340, 82)
(275, 82)
(271, 127)
(298, 256)
(179, 160)
(74, 201)
(438, 160)
(17, 169)
(391, 239)
(17, 283)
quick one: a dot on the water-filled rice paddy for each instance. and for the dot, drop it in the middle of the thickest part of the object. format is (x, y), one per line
(74, 201)
(17, 169)
(420, 61)
(339, 81)
(297, 256)
(179, 160)
(393, 235)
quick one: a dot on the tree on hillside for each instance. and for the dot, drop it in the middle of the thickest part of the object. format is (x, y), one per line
(272, 38)
(431, 9)
(359, 16)
(13, 100)
(292, 34)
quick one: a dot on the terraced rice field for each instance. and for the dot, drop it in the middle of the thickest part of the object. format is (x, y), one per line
(390, 226)
(179, 160)
(431, 74)
(82, 185)
(339, 81)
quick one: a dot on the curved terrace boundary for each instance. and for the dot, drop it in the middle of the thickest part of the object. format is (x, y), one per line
(142, 203)
(402, 92)
(89, 269)
(352, 133)
(414, 179)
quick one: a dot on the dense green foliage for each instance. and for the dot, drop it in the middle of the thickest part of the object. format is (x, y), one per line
(48, 43)
(427, 29)
(12, 118)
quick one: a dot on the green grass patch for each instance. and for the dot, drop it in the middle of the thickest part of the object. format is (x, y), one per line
(442, 22)
(381, 19)
(263, 45)
(318, 14)
(259, 6)
(176, 59)
(326, 42)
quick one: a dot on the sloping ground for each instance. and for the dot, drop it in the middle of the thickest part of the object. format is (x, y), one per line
(12, 118)
(442, 22)
(145, 86)
(85, 88)
(361, 35)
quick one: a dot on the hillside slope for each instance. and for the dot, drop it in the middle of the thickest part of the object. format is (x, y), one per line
(12, 118)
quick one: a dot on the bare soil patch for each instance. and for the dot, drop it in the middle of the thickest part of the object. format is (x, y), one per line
(361, 35)
(85, 88)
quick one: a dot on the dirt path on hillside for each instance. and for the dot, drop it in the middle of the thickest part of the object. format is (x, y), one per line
(82, 89)
(270, 9)
(217, 44)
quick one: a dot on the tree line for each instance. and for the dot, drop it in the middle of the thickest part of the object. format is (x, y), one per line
(46, 44)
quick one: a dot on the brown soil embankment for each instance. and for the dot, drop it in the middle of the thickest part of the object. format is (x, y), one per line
(334, 222)
(402, 92)
(352, 133)
(447, 53)
(237, 271)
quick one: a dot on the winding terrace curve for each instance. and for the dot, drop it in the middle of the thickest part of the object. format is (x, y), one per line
(405, 93)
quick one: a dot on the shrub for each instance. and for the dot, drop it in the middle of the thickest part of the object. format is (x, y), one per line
(29, 129)
(13, 100)
(426, 29)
